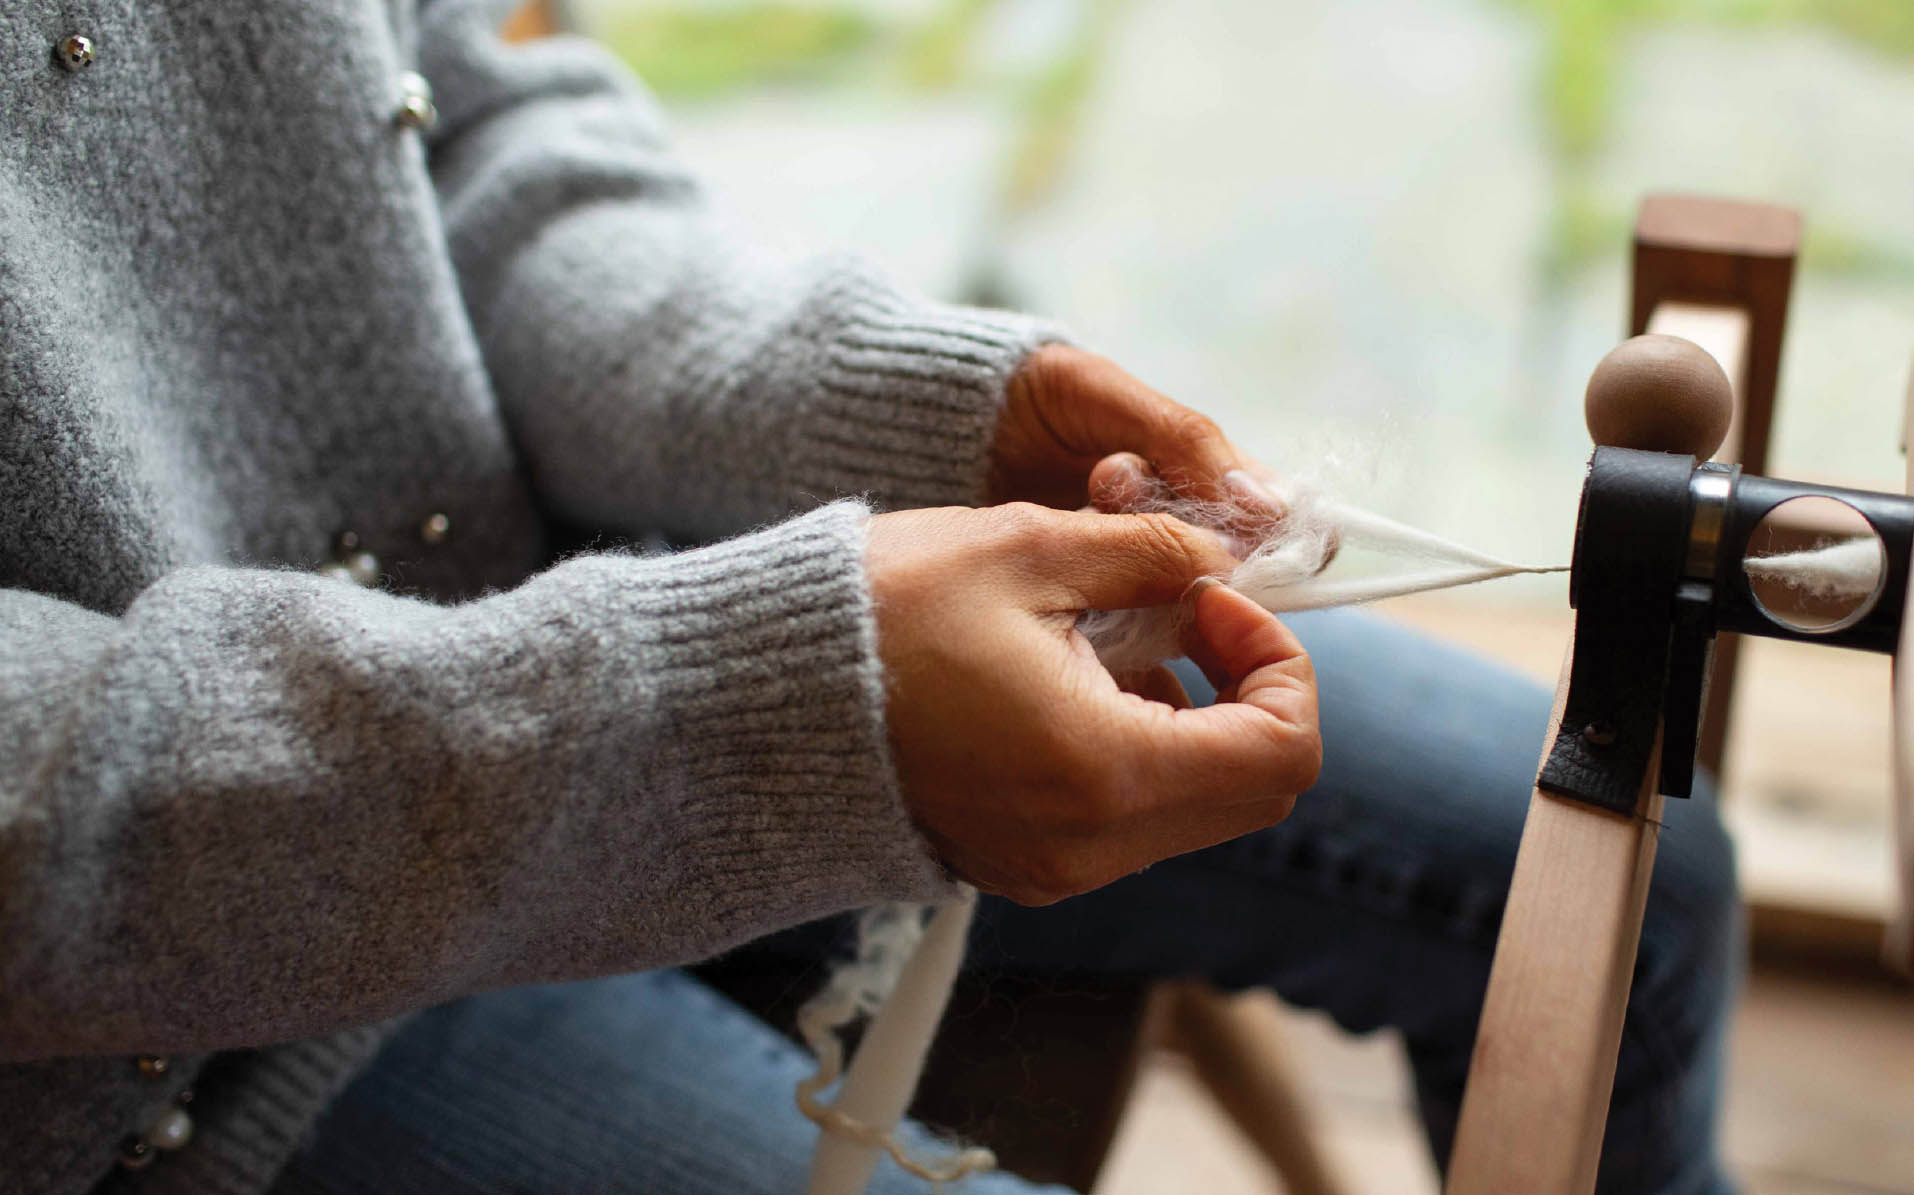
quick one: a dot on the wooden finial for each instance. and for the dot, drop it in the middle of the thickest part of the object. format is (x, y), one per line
(1661, 394)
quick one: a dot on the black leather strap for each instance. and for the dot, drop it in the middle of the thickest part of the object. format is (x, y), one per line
(1630, 546)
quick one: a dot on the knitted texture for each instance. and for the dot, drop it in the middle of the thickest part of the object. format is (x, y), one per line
(244, 310)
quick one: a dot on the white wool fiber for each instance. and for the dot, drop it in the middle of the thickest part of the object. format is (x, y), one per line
(1848, 569)
(1282, 566)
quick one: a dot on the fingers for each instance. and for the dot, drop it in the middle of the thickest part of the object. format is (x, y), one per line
(1184, 448)
(1258, 659)
(1119, 562)
(1248, 514)
(1228, 636)
(1261, 740)
(1144, 780)
(1029, 769)
(1122, 482)
(1104, 406)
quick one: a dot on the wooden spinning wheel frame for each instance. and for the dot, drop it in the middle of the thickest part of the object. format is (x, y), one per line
(1718, 274)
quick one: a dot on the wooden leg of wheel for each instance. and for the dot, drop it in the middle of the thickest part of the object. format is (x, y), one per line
(1238, 1054)
(1545, 1052)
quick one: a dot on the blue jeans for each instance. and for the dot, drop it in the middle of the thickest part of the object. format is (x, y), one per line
(1377, 901)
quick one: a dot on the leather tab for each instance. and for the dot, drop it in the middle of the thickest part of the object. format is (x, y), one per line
(1630, 547)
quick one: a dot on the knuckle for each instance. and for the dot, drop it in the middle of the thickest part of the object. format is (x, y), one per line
(1278, 809)
(1093, 790)
(1170, 542)
(1049, 368)
(1063, 873)
(1191, 427)
(1026, 524)
(1298, 761)
(1307, 767)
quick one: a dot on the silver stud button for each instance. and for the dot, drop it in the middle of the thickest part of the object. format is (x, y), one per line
(416, 109)
(435, 529)
(75, 53)
(360, 568)
(171, 1131)
(351, 562)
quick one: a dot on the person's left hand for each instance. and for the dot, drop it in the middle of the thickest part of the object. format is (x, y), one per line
(1076, 429)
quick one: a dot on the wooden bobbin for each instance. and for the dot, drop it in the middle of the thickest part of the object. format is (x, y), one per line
(1660, 394)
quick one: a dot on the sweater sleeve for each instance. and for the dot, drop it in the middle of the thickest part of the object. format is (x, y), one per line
(259, 805)
(657, 372)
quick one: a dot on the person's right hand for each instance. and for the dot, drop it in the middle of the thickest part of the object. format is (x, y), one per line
(1030, 770)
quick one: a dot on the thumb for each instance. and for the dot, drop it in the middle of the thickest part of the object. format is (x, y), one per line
(1249, 655)
(1119, 562)
(1261, 740)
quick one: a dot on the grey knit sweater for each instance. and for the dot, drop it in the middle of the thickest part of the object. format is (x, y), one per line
(247, 809)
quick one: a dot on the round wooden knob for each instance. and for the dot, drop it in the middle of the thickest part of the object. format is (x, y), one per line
(1661, 394)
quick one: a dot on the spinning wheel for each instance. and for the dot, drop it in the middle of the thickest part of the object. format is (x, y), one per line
(1661, 564)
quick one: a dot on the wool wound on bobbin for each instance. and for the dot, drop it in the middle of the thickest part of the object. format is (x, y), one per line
(1283, 562)
(1850, 568)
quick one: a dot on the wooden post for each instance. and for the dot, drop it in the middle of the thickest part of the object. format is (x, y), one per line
(1900, 938)
(1544, 1063)
(1723, 253)
(1241, 1062)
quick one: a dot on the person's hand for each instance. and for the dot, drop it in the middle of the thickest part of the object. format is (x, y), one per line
(1077, 429)
(1031, 772)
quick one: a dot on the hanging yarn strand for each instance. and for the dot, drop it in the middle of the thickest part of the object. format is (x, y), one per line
(901, 978)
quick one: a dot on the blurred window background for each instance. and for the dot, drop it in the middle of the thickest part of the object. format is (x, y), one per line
(1383, 242)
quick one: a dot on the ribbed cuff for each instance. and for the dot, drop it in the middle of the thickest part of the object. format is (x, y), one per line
(909, 396)
(771, 701)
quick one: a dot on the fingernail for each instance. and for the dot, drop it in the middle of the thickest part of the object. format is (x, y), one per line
(1120, 483)
(1129, 475)
(1251, 489)
(1198, 587)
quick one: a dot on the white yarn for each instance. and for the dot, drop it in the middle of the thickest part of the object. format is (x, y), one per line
(1282, 569)
(1849, 569)
(901, 978)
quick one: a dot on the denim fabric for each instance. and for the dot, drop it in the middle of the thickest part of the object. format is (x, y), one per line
(1377, 901)
(645, 1084)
